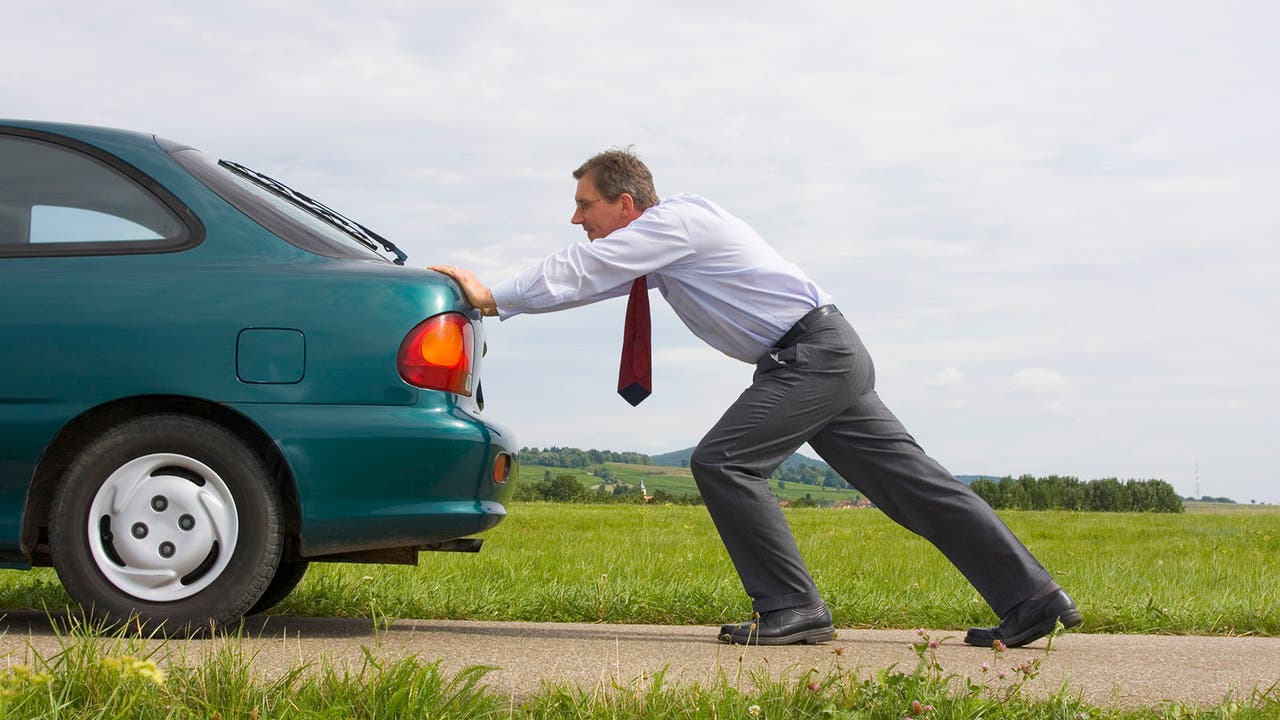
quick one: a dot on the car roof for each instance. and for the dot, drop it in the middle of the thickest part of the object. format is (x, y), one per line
(85, 133)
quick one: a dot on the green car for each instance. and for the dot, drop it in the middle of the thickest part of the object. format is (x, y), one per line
(209, 380)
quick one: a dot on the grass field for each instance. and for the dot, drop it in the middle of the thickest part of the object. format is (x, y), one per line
(1209, 571)
(1195, 573)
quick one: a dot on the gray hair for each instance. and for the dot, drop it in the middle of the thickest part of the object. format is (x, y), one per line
(619, 171)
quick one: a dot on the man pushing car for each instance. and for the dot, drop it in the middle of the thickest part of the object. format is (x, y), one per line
(814, 382)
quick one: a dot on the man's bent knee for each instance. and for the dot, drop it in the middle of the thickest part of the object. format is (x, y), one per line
(706, 463)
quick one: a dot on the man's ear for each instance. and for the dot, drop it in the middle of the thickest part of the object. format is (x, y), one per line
(628, 204)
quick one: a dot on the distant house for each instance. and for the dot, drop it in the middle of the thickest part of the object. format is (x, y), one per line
(863, 503)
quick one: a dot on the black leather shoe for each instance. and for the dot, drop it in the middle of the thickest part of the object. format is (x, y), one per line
(1030, 620)
(808, 624)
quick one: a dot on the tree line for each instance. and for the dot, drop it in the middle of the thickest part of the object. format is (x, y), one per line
(1057, 492)
(1026, 492)
(809, 475)
(568, 457)
(567, 488)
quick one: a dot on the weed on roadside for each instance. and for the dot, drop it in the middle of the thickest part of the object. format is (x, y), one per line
(100, 675)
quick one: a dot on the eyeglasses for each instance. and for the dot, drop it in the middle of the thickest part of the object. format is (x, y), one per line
(584, 204)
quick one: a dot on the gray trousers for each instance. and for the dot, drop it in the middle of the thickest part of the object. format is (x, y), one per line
(820, 389)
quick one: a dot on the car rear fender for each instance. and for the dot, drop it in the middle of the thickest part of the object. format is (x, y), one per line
(61, 451)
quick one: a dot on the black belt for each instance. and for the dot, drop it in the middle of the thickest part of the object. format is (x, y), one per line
(805, 324)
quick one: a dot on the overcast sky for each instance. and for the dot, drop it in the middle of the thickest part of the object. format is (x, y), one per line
(1054, 224)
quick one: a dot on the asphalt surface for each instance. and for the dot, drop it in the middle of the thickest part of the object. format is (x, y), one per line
(1107, 670)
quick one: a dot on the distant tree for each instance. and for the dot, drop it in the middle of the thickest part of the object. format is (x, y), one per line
(1013, 494)
(988, 490)
(832, 479)
(806, 501)
(797, 473)
(623, 492)
(561, 488)
(1153, 496)
(1105, 495)
(525, 491)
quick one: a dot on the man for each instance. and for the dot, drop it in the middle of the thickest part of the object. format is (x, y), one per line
(814, 382)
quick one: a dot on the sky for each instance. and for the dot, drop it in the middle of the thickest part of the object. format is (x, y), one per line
(1053, 224)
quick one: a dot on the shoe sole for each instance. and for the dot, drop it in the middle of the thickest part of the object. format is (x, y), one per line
(804, 637)
(1069, 619)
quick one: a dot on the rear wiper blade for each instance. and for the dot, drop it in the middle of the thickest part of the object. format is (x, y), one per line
(362, 234)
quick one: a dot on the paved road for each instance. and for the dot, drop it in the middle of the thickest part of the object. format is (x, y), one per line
(1125, 670)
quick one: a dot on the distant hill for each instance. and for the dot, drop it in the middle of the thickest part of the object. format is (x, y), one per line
(676, 458)
(680, 458)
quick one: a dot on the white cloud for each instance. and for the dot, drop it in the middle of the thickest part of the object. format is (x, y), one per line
(950, 377)
(1037, 382)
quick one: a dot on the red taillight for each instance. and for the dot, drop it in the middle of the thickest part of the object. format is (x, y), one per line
(437, 354)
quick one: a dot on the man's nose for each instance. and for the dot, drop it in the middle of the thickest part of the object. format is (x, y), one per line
(577, 218)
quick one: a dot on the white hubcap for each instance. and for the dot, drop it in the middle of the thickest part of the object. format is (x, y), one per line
(162, 527)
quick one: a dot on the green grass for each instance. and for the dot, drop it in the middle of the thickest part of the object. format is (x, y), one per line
(116, 678)
(1182, 574)
(1194, 573)
(93, 677)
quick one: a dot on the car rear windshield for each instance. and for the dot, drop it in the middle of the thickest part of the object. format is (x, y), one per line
(311, 229)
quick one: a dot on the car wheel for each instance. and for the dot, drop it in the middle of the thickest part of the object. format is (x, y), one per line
(169, 521)
(288, 575)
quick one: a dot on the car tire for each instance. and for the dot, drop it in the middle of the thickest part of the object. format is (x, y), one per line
(169, 523)
(288, 575)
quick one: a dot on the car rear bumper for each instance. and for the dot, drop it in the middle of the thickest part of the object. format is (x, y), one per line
(374, 477)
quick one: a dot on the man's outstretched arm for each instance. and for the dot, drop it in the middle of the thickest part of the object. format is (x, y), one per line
(477, 293)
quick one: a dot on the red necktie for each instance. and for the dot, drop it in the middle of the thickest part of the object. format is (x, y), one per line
(635, 377)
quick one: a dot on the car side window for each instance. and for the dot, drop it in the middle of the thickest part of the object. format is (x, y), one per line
(56, 200)
(52, 223)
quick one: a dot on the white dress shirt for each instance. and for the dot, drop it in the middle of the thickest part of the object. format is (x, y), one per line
(720, 277)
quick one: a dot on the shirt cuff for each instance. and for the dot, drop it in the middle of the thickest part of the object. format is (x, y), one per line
(507, 298)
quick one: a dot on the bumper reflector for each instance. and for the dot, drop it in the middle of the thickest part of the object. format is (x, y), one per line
(501, 468)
